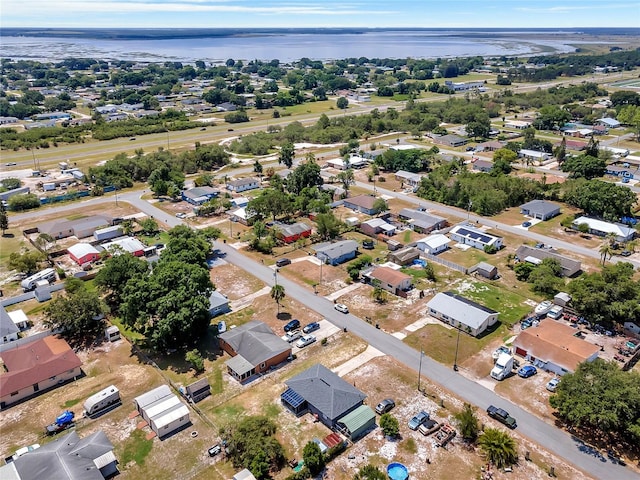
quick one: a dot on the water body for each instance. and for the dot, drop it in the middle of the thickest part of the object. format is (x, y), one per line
(217, 45)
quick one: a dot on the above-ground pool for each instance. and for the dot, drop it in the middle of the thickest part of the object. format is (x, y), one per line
(397, 471)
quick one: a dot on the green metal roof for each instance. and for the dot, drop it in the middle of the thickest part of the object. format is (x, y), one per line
(360, 417)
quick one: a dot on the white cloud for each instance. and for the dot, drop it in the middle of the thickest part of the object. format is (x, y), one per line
(15, 8)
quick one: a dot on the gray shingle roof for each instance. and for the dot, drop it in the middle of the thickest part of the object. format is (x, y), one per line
(540, 206)
(569, 265)
(68, 457)
(326, 391)
(255, 342)
(336, 250)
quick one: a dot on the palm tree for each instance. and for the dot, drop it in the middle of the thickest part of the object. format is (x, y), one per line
(605, 249)
(611, 238)
(277, 293)
(346, 178)
(631, 245)
(499, 447)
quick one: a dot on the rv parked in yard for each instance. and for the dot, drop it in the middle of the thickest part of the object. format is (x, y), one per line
(101, 401)
(29, 283)
(503, 366)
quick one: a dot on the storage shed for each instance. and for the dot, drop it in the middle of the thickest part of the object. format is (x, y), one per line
(163, 411)
(198, 390)
(357, 423)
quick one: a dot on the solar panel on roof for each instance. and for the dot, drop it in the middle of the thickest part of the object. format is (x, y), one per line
(292, 398)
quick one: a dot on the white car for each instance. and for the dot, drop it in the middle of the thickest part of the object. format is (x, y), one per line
(341, 307)
(305, 340)
(291, 336)
(553, 384)
(222, 326)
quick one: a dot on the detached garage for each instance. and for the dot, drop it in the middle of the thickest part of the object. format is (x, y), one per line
(82, 253)
(162, 410)
(357, 423)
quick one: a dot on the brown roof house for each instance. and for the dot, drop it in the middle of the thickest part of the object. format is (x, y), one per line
(552, 346)
(391, 280)
(35, 367)
(254, 348)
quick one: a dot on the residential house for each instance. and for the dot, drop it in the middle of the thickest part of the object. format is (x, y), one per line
(622, 232)
(4, 196)
(421, 221)
(243, 184)
(570, 267)
(486, 270)
(393, 281)
(81, 228)
(68, 457)
(218, 304)
(408, 178)
(533, 155)
(199, 195)
(553, 346)
(361, 203)
(433, 244)
(517, 124)
(404, 256)
(465, 86)
(82, 253)
(540, 209)
(226, 107)
(338, 252)
(125, 244)
(374, 226)
(241, 215)
(449, 140)
(52, 116)
(483, 166)
(8, 120)
(292, 233)
(322, 393)
(163, 411)
(469, 235)
(34, 367)
(491, 146)
(573, 145)
(608, 122)
(462, 313)
(254, 349)
(8, 329)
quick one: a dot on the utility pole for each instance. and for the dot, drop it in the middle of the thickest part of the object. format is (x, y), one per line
(469, 210)
(455, 361)
(420, 368)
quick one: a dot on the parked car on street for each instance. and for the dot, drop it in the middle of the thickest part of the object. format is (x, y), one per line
(385, 406)
(502, 416)
(418, 420)
(341, 308)
(305, 340)
(281, 262)
(527, 371)
(311, 327)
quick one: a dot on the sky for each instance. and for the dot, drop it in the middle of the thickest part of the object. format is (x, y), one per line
(319, 13)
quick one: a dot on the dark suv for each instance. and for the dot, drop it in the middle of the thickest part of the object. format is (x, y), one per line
(282, 262)
(502, 416)
(292, 325)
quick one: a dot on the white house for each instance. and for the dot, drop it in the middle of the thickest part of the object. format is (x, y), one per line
(433, 244)
(608, 122)
(622, 232)
(468, 235)
(243, 184)
(533, 155)
(163, 411)
(462, 313)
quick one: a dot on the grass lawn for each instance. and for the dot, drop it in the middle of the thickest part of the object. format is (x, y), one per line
(511, 305)
(311, 107)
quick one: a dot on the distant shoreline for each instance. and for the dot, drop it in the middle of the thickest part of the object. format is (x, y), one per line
(194, 33)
